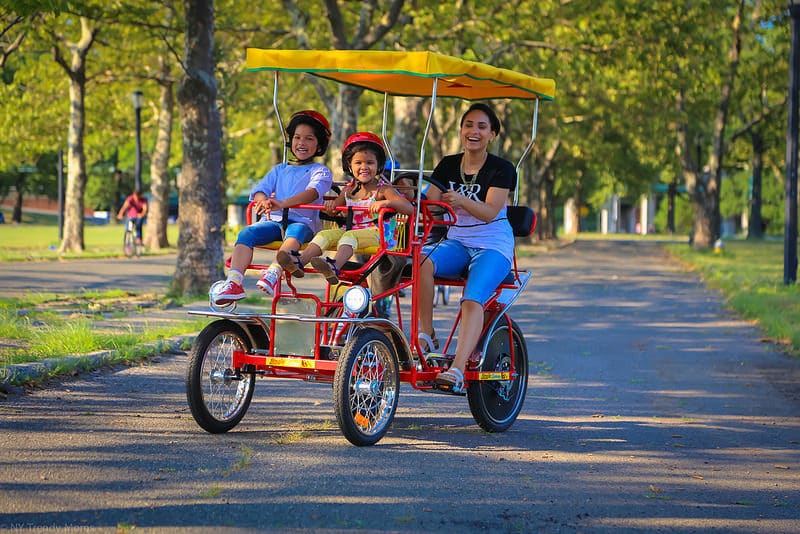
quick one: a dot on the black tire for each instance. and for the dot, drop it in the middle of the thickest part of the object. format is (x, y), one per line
(366, 387)
(218, 395)
(495, 404)
(129, 241)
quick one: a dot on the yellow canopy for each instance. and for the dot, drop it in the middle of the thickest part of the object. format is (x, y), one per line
(405, 73)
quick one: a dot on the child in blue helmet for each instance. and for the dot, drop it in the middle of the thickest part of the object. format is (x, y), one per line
(297, 182)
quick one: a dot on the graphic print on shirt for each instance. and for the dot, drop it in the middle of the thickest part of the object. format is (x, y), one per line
(468, 190)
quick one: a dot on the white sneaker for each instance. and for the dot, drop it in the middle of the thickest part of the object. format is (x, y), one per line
(268, 283)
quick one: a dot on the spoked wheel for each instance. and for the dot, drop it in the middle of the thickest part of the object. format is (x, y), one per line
(365, 387)
(495, 404)
(218, 395)
(129, 242)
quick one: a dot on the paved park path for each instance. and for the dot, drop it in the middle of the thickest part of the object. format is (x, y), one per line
(651, 408)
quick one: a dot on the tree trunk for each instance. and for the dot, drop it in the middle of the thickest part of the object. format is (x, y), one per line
(572, 220)
(16, 215)
(200, 257)
(705, 231)
(755, 228)
(541, 187)
(344, 122)
(76, 158)
(158, 205)
(704, 190)
(406, 129)
(546, 228)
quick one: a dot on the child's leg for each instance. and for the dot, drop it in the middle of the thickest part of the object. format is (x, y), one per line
(287, 257)
(353, 240)
(296, 235)
(343, 253)
(320, 243)
(250, 237)
(240, 259)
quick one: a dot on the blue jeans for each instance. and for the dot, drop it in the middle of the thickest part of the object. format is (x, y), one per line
(483, 268)
(138, 222)
(265, 232)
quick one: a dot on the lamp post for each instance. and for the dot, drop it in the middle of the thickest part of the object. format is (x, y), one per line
(790, 198)
(138, 97)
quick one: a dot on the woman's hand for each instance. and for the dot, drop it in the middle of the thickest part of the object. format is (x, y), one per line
(484, 210)
(456, 200)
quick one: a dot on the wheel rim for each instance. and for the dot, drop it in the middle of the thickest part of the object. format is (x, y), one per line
(372, 389)
(502, 397)
(224, 392)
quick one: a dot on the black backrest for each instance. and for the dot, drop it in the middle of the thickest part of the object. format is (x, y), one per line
(522, 220)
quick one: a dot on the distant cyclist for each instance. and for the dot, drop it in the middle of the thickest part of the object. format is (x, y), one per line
(134, 208)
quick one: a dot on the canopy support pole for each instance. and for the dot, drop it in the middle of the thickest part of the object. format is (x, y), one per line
(385, 139)
(421, 169)
(528, 148)
(278, 115)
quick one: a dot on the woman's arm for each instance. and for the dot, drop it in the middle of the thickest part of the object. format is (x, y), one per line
(484, 211)
(122, 209)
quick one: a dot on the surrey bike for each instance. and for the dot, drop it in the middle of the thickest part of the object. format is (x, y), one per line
(332, 336)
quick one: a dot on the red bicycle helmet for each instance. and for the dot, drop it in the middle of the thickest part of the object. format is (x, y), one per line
(360, 141)
(316, 120)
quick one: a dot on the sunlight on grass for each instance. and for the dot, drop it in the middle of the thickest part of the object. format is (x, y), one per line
(33, 241)
(32, 334)
(750, 275)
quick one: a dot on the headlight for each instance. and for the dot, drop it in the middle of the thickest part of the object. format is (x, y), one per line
(356, 299)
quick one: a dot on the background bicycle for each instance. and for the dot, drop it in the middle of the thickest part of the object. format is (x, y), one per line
(130, 243)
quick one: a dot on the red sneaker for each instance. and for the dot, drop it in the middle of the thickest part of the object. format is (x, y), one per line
(268, 283)
(226, 291)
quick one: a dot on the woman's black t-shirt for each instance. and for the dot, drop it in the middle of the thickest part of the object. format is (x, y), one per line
(471, 231)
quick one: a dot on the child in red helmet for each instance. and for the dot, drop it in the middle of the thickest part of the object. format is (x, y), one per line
(363, 158)
(300, 181)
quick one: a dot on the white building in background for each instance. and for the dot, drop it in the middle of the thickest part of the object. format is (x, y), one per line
(570, 216)
(620, 216)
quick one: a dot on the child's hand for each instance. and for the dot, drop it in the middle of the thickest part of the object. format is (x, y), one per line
(262, 206)
(376, 206)
(266, 205)
(330, 207)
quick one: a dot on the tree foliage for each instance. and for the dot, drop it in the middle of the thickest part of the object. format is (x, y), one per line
(645, 92)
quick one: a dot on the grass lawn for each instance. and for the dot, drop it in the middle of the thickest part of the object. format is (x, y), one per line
(42, 326)
(750, 275)
(36, 238)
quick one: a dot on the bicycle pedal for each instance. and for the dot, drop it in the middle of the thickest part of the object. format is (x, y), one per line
(435, 359)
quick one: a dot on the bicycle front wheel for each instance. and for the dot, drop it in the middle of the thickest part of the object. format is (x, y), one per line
(129, 241)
